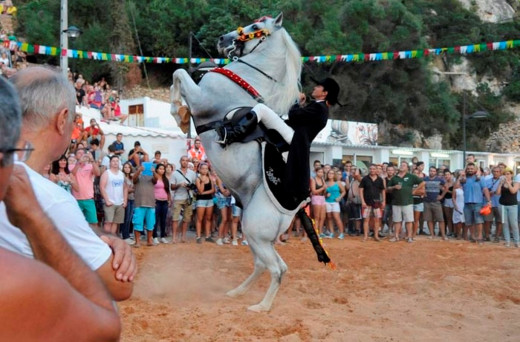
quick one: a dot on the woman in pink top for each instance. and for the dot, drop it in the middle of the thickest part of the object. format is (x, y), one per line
(162, 200)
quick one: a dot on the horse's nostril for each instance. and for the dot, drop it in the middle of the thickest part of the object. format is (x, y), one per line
(221, 38)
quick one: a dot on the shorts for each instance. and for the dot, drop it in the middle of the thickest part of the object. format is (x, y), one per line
(496, 214)
(332, 207)
(114, 213)
(448, 203)
(204, 203)
(142, 215)
(433, 212)
(88, 208)
(369, 210)
(178, 206)
(318, 200)
(472, 213)
(402, 213)
(236, 211)
(223, 202)
(418, 207)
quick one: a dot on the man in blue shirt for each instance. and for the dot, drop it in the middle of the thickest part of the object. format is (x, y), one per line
(118, 144)
(475, 191)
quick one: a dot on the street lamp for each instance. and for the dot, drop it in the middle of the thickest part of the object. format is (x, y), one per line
(66, 31)
(477, 115)
(73, 32)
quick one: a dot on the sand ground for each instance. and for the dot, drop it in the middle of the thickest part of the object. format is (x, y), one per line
(425, 291)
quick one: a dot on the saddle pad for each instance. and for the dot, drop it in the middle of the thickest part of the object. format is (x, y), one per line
(274, 173)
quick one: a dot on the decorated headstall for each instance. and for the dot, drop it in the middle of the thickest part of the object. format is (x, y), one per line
(244, 37)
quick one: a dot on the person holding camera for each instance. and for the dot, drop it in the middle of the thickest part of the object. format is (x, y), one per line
(137, 155)
(84, 171)
(507, 190)
(144, 205)
(183, 182)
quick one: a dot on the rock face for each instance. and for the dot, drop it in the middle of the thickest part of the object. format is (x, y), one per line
(506, 139)
(493, 11)
(161, 94)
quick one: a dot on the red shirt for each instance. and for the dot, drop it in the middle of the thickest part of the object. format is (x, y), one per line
(92, 131)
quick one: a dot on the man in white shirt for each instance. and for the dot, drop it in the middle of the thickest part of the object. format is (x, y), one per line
(115, 193)
(57, 296)
(47, 124)
(182, 179)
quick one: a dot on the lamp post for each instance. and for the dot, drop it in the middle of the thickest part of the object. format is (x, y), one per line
(66, 32)
(477, 115)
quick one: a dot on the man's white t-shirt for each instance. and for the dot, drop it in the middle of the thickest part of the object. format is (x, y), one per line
(179, 178)
(63, 210)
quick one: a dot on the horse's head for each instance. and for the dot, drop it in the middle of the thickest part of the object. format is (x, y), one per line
(246, 39)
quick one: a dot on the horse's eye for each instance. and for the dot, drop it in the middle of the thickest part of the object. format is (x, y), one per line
(254, 27)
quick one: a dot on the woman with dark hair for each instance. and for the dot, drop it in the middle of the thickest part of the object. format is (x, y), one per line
(162, 200)
(128, 171)
(61, 175)
(205, 204)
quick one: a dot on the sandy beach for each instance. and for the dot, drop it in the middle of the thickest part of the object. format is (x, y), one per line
(425, 291)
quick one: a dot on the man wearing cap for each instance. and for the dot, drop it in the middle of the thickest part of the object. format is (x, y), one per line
(304, 123)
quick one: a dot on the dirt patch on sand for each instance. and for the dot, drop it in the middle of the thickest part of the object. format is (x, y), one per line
(427, 291)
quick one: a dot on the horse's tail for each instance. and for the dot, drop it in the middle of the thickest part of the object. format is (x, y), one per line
(312, 233)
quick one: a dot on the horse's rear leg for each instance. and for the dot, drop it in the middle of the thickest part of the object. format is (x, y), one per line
(277, 267)
(246, 285)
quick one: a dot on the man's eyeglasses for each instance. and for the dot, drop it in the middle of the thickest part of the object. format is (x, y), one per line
(22, 154)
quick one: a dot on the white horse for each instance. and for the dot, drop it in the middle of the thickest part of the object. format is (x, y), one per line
(272, 66)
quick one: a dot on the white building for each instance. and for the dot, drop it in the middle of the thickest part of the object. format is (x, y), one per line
(151, 123)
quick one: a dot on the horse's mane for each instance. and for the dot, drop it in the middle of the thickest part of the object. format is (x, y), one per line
(285, 92)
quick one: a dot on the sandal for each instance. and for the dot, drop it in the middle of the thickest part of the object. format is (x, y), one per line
(394, 239)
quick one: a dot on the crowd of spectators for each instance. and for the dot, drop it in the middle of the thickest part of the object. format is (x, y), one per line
(471, 204)
(142, 198)
(98, 95)
(172, 199)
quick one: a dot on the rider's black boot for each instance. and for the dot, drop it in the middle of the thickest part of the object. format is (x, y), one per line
(230, 132)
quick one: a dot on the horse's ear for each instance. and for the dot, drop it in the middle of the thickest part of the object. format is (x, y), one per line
(278, 20)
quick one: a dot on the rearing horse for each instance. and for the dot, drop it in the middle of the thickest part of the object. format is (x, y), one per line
(270, 62)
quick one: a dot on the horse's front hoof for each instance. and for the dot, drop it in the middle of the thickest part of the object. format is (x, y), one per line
(258, 308)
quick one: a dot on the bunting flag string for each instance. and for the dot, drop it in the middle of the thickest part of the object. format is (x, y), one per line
(359, 57)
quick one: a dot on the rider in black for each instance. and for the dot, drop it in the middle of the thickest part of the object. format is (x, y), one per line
(302, 126)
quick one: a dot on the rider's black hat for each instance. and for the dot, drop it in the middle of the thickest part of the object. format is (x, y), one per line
(332, 89)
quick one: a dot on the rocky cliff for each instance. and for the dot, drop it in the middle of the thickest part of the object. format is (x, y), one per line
(462, 77)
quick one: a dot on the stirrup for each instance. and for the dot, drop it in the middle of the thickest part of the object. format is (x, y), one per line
(223, 141)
